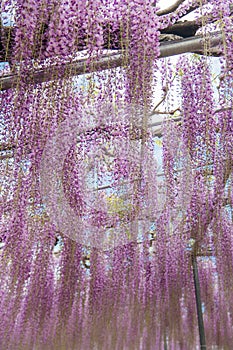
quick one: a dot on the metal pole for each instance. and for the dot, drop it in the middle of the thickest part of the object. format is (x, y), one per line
(198, 303)
(165, 340)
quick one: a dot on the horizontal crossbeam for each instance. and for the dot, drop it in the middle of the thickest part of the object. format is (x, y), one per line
(111, 61)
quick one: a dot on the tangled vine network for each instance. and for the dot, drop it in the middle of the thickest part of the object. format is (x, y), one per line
(116, 160)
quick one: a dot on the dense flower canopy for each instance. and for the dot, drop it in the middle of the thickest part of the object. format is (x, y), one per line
(98, 244)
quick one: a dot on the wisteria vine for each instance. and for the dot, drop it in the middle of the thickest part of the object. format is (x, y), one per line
(96, 244)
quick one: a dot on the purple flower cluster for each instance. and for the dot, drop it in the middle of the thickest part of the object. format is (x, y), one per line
(129, 283)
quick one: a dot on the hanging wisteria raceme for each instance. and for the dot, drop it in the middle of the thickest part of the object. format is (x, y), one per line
(199, 129)
(97, 246)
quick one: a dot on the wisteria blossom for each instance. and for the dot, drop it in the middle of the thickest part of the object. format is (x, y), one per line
(116, 175)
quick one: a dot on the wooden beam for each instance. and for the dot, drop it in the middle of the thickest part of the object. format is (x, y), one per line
(171, 8)
(113, 60)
